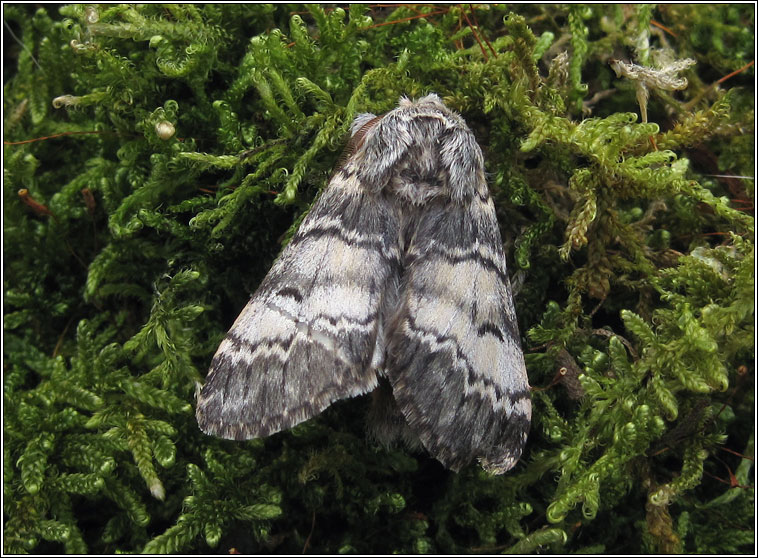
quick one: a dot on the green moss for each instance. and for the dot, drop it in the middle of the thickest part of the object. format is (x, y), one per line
(132, 251)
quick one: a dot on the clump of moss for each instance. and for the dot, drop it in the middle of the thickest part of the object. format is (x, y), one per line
(157, 158)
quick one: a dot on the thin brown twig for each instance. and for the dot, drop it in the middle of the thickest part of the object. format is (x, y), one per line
(308, 540)
(413, 7)
(401, 20)
(476, 35)
(60, 338)
(52, 137)
(738, 454)
(688, 106)
(735, 72)
(486, 40)
(663, 27)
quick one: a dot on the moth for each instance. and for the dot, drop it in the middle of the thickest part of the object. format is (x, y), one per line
(395, 283)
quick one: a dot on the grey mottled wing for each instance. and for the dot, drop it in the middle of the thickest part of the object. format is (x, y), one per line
(398, 271)
(454, 358)
(309, 335)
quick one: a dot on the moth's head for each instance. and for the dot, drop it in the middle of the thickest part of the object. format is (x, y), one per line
(366, 120)
(432, 99)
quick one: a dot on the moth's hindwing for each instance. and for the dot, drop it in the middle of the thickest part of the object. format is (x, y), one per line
(309, 334)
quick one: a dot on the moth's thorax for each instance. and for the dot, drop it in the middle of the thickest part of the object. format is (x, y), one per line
(418, 179)
(418, 152)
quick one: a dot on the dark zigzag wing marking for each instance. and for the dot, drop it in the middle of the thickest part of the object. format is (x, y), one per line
(492, 329)
(292, 292)
(466, 419)
(340, 232)
(461, 255)
(435, 342)
(250, 346)
(271, 421)
(309, 333)
(494, 435)
(439, 253)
